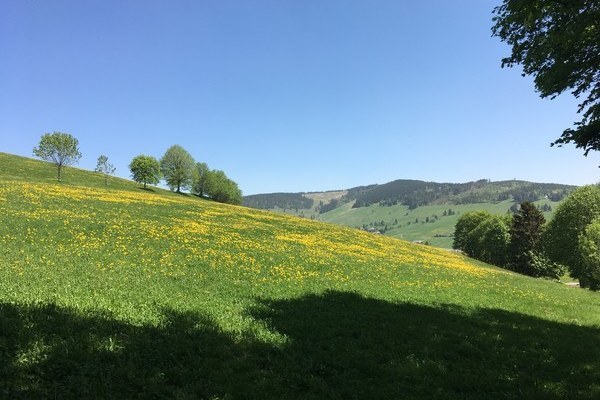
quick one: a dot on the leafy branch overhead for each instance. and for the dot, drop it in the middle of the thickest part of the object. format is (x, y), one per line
(558, 43)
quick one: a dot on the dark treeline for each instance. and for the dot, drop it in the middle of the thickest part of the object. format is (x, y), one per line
(278, 200)
(414, 193)
(331, 205)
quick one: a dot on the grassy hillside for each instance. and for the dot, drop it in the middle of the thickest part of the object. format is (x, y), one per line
(413, 210)
(426, 223)
(401, 222)
(118, 293)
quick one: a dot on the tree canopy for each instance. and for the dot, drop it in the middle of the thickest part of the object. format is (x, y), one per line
(490, 240)
(177, 167)
(589, 248)
(558, 43)
(222, 189)
(105, 168)
(562, 235)
(145, 169)
(199, 178)
(463, 232)
(59, 148)
(483, 236)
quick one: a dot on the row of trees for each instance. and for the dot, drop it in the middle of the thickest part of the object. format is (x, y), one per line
(524, 243)
(177, 166)
(179, 170)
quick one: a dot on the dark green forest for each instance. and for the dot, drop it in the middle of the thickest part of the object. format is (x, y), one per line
(415, 193)
(278, 200)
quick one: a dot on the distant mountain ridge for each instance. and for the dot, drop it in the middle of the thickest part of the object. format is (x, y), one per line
(278, 200)
(416, 193)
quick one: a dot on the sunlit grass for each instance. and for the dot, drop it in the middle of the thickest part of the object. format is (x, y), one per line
(108, 276)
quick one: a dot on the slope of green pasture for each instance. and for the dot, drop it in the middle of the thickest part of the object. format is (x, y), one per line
(411, 224)
(26, 169)
(317, 197)
(123, 293)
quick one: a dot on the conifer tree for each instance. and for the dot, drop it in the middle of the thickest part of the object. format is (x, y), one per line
(525, 235)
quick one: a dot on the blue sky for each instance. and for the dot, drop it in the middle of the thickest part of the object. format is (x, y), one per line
(283, 95)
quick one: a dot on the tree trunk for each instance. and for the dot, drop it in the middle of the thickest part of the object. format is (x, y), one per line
(58, 176)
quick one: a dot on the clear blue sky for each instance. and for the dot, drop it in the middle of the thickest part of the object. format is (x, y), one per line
(283, 95)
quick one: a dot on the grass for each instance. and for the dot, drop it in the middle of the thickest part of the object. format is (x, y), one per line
(115, 292)
(438, 232)
(425, 223)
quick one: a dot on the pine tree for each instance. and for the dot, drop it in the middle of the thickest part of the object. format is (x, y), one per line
(525, 234)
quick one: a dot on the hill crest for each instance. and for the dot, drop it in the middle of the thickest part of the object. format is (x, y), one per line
(415, 193)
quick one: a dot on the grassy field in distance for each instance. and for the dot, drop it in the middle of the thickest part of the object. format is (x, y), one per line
(407, 226)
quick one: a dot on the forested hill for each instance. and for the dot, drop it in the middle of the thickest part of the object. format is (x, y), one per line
(415, 193)
(278, 200)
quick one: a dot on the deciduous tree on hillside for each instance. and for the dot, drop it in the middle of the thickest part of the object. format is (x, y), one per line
(589, 247)
(105, 168)
(483, 236)
(463, 238)
(558, 43)
(222, 189)
(491, 239)
(145, 169)
(199, 178)
(562, 235)
(59, 148)
(177, 167)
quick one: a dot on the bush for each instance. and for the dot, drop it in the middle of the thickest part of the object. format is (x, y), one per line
(541, 266)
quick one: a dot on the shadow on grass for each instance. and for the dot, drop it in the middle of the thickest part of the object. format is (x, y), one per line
(339, 345)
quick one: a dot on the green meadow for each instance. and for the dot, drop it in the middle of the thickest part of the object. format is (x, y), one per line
(426, 223)
(111, 291)
(429, 223)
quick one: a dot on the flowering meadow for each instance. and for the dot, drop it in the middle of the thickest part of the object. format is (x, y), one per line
(113, 291)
